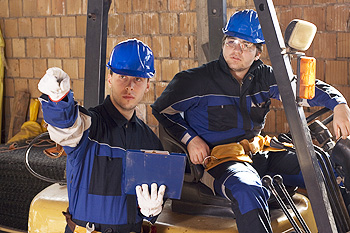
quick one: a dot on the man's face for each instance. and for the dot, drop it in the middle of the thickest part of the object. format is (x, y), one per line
(127, 92)
(239, 54)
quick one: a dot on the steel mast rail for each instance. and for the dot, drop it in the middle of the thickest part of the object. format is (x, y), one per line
(95, 52)
(296, 117)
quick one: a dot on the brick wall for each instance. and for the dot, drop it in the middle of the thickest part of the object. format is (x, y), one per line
(43, 33)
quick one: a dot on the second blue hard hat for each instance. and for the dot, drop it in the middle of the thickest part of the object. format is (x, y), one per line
(245, 25)
(132, 58)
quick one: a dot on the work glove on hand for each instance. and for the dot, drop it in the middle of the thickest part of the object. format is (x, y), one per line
(55, 83)
(150, 205)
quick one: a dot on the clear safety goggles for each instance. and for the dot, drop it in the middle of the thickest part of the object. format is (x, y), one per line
(240, 45)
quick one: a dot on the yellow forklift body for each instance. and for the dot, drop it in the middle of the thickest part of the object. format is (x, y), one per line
(45, 215)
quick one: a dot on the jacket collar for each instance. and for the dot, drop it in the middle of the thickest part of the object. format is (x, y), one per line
(113, 112)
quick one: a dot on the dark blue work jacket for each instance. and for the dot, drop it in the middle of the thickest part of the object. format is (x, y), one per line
(95, 142)
(209, 102)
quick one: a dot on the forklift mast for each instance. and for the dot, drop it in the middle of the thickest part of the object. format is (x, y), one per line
(95, 66)
(296, 118)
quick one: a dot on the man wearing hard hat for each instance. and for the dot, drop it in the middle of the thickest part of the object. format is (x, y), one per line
(96, 139)
(218, 111)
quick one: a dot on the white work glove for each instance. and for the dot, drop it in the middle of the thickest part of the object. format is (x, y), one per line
(55, 83)
(150, 205)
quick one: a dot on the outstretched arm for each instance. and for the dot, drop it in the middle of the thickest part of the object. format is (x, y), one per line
(341, 121)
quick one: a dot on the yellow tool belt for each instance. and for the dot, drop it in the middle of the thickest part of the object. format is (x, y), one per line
(238, 151)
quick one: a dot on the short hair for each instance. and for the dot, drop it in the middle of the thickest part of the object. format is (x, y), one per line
(259, 46)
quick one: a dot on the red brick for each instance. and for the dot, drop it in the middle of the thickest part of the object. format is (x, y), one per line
(4, 10)
(44, 7)
(21, 84)
(160, 86)
(178, 5)
(282, 2)
(68, 26)
(188, 64)
(337, 18)
(111, 43)
(13, 68)
(10, 29)
(54, 63)
(158, 67)
(47, 47)
(77, 47)
(320, 69)
(15, 8)
(287, 14)
(116, 24)
(40, 67)
(169, 69)
(336, 72)
(150, 23)
(324, 1)
(18, 46)
(84, 7)
(9, 89)
(26, 68)
(168, 23)
(24, 27)
(235, 3)
(81, 25)
(345, 90)
(53, 26)
(78, 88)
(33, 47)
(281, 122)
(81, 69)
(343, 45)
(149, 97)
(70, 66)
(30, 8)
(161, 46)
(133, 25)
(39, 27)
(301, 2)
(317, 16)
(158, 5)
(188, 22)
(140, 5)
(62, 48)
(8, 48)
(74, 7)
(58, 7)
(123, 6)
(325, 45)
(192, 46)
(179, 46)
(33, 88)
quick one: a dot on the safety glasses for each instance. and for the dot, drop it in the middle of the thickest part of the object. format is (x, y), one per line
(239, 44)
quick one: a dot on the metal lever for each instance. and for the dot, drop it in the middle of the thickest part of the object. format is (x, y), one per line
(267, 182)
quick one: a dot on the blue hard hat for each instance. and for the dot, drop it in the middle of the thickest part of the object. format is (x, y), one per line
(132, 58)
(245, 25)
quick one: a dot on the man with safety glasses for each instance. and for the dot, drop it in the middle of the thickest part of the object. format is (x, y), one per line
(95, 141)
(218, 111)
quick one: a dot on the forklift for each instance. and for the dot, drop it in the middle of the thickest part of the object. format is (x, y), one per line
(199, 210)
